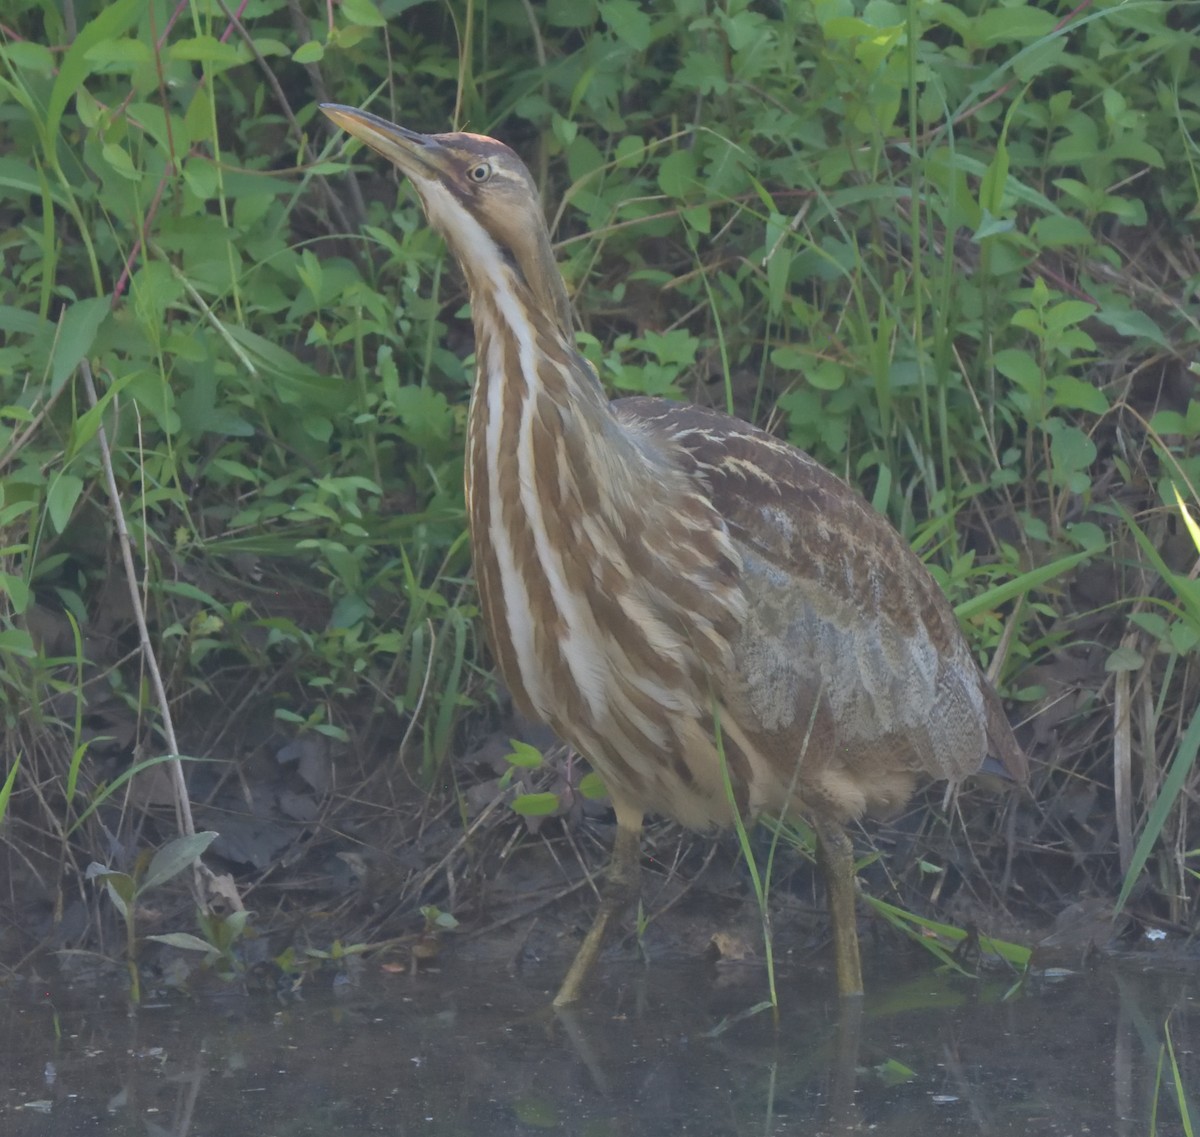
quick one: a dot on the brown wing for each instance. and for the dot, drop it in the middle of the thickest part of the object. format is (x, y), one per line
(842, 613)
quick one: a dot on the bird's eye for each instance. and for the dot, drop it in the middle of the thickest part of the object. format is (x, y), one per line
(480, 173)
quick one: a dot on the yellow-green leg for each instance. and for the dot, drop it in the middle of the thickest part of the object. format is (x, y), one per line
(620, 886)
(835, 855)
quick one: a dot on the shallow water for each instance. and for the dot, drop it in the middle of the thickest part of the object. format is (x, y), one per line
(662, 1050)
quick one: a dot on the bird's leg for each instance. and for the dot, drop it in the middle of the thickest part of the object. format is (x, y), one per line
(835, 855)
(620, 886)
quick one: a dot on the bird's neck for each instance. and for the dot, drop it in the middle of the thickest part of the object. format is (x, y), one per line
(544, 455)
(547, 456)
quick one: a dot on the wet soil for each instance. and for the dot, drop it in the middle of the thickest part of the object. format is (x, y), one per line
(463, 1048)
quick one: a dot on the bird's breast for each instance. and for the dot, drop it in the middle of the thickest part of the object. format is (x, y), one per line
(608, 586)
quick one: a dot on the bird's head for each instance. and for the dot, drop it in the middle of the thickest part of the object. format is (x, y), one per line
(479, 195)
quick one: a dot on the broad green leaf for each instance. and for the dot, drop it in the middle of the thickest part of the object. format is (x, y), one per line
(118, 158)
(311, 52)
(18, 642)
(1001, 24)
(591, 785)
(28, 56)
(677, 174)
(117, 885)
(17, 590)
(1019, 366)
(535, 805)
(1031, 61)
(61, 497)
(1124, 659)
(174, 857)
(201, 177)
(826, 375)
(1067, 313)
(75, 338)
(349, 36)
(119, 55)
(893, 1073)
(629, 22)
(1078, 395)
(1132, 322)
(20, 176)
(208, 50)
(523, 755)
(362, 12)
(184, 940)
(112, 21)
(570, 13)
(1058, 231)
(1070, 448)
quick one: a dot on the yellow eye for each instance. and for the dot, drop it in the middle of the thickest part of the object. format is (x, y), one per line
(480, 173)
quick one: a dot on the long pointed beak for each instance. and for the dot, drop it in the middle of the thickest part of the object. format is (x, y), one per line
(419, 156)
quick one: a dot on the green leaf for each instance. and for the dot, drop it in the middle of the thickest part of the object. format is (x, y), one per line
(311, 52)
(201, 177)
(184, 940)
(790, 358)
(362, 12)
(17, 590)
(23, 178)
(1067, 313)
(75, 338)
(207, 49)
(27, 56)
(677, 174)
(1191, 524)
(1133, 323)
(591, 785)
(1168, 795)
(9, 782)
(348, 37)
(628, 22)
(119, 886)
(1031, 61)
(893, 1073)
(535, 805)
(826, 375)
(1010, 22)
(991, 189)
(118, 158)
(1056, 231)
(1019, 366)
(1124, 659)
(564, 129)
(174, 857)
(61, 497)
(119, 55)
(1019, 586)
(990, 226)
(1078, 395)
(75, 67)
(1070, 448)
(523, 755)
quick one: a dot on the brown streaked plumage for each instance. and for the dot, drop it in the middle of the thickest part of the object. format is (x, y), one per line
(662, 583)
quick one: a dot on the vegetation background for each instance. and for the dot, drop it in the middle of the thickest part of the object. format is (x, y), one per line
(947, 248)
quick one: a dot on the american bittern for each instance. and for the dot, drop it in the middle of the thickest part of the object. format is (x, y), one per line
(670, 588)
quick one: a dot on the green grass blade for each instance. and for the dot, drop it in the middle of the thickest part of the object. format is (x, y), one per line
(9, 782)
(1018, 586)
(1172, 787)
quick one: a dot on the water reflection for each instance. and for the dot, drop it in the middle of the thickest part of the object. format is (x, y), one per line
(662, 1051)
